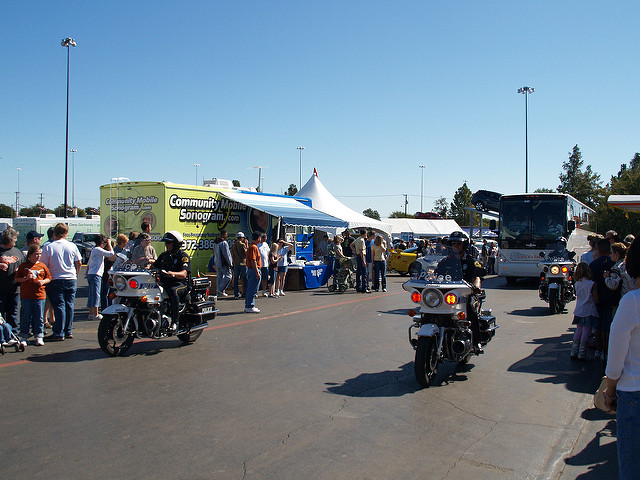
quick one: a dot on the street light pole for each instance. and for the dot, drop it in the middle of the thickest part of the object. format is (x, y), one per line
(196, 165)
(18, 193)
(73, 180)
(421, 185)
(300, 149)
(260, 177)
(526, 91)
(67, 42)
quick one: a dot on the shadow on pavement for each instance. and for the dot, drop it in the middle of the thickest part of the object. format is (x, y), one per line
(600, 453)
(552, 358)
(71, 356)
(390, 383)
(531, 312)
(395, 383)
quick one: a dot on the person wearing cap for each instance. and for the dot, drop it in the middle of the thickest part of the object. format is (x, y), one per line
(33, 238)
(239, 259)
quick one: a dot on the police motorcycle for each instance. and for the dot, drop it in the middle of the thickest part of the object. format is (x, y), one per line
(556, 278)
(441, 328)
(141, 308)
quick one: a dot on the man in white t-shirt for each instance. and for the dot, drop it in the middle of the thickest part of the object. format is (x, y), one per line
(263, 248)
(63, 260)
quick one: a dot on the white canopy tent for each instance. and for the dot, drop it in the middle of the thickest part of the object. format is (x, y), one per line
(421, 227)
(324, 201)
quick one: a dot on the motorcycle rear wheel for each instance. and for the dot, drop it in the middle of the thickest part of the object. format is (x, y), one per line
(190, 337)
(113, 341)
(426, 364)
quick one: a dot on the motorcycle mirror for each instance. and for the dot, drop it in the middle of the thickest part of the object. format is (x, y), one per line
(492, 224)
(542, 254)
(571, 225)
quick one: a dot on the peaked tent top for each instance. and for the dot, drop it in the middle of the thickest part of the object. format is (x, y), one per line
(324, 201)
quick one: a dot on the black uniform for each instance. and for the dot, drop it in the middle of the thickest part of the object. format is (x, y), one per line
(175, 260)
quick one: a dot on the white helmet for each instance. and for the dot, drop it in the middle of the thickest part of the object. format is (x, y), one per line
(173, 236)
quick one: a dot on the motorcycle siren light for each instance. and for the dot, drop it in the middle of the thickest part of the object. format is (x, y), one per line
(416, 297)
(133, 283)
(564, 269)
(451, 299)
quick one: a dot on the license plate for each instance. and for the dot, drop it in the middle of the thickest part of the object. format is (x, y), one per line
(207, 310)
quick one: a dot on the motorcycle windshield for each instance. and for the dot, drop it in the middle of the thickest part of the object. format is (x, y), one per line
(449, 269)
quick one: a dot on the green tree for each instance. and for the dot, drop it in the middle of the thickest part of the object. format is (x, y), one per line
(6, 211)
(236, 183)
(441, 207)
(461, 200)
(544, 190)
(292, 190)
(583, 185)
(398, 214)
(371, 213)
(59, 210)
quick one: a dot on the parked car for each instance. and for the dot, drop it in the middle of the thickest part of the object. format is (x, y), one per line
(400, 260)
(485, 200)
(85, 242)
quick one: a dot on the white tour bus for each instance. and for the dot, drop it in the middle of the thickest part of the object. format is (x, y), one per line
(530, 224)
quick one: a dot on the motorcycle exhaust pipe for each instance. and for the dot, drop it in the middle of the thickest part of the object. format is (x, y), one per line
(202, 326)
(460, 347)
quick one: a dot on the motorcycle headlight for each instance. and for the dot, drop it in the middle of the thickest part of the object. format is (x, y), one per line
(432, 298)
(555, 269)
(120, 283)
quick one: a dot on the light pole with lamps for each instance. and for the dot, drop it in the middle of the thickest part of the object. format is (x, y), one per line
(67, 42)
(526, 91)
(300, 149)
(73, 180)
(421, 185)
(18, 193)
(196, 165)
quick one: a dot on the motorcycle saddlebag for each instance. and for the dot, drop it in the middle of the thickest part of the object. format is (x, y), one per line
(487, 327)
(198, 313)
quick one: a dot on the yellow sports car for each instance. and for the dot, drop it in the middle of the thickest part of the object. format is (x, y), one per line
(401, 260)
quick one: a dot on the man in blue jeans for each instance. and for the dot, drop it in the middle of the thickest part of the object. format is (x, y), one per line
(63, 260)
(254, 266)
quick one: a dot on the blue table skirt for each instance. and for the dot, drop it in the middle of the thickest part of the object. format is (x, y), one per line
(316, 275)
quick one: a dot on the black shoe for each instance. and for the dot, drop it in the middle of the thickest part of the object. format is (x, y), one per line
(53, 338)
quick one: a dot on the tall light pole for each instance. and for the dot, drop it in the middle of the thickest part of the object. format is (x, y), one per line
(73, 180)
(421, 185)
(300, 150)
(260, 177)
(67, 42)
(18, 193)
(526, 91)
(196, 165)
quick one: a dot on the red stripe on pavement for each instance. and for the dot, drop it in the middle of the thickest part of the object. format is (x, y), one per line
(245, 322)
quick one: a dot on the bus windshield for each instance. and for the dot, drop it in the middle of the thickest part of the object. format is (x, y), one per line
(532, 222)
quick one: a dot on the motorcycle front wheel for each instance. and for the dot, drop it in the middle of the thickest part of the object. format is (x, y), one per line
(190, 337)
(112, 338)
(426, 364)
(554, 302)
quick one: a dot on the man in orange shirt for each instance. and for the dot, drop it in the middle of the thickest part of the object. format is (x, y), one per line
(254, 264)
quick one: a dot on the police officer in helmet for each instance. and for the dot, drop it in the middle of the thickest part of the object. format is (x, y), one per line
(471, 272)
(175, 269)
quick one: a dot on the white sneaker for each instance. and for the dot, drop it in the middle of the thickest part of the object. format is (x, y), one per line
(12, 342)
(223, 294)
(281, 293)
(39, 342)
(23, 343)
(277, 294)
(265, 294)
(99, 316)
(251, 310)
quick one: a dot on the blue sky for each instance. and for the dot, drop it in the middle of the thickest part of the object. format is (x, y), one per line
(371, 89)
